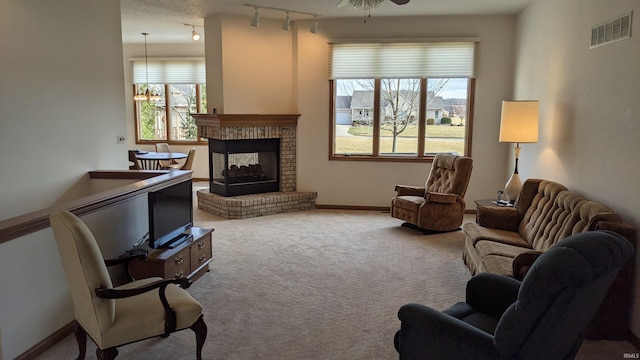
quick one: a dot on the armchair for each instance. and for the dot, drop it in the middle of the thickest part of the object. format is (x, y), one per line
(439, 205)
(114, 316)
(542, 317)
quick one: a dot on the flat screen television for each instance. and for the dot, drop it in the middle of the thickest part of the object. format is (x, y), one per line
(170, 214)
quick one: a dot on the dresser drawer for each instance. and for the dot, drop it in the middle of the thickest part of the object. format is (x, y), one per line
(188, 260)
(178, 265)
(200, 253)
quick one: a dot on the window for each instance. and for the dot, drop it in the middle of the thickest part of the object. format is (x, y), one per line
(400, 102)
(180, 87)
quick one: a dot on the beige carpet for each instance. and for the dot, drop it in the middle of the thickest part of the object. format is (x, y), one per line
(319, 284)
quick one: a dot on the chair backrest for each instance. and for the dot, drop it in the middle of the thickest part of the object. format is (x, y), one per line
(134, 160)
(189, 161)
(163, 147)
(560, 295)
(85, 271)
(449, 174)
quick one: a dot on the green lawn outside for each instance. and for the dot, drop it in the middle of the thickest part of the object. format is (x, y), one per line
(364, 145)
(433, 131)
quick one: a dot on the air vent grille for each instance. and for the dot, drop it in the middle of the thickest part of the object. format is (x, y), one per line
(611, 31)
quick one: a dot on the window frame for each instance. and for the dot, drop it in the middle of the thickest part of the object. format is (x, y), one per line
(136, 119)
(421, 156)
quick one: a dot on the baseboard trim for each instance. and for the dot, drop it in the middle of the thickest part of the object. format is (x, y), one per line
(354, 207)
(372, 208)
(48, 342)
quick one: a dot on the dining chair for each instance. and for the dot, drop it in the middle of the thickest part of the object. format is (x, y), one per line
(134, 163)
(164, 147)
(115, 316)
(188, 163)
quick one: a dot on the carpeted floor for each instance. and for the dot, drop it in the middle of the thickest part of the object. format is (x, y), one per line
(318, 284)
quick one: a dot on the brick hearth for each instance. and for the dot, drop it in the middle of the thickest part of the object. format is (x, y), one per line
(249, 206)
(256, 126)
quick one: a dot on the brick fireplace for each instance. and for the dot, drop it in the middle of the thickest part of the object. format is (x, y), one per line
(234, 128)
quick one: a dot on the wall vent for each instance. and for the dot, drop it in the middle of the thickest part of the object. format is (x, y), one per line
(611, 31)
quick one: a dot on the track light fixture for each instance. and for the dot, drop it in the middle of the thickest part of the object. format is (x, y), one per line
(194, 34)
(255, 22)
(286, 25)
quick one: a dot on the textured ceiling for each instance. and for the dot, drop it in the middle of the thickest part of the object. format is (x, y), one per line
(164, 19)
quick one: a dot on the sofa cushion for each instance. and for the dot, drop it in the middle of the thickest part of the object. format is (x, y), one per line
(411, 203)
(476, 233)
(489, 247)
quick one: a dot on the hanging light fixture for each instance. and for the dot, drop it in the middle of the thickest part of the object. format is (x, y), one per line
(365, 5)
(147, 95)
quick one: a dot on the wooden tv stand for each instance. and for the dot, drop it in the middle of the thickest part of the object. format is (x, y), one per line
(189, 259)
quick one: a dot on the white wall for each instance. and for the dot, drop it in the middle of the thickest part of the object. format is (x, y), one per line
(61, 95)
(589, 105)
(61, 98)
(252, 67)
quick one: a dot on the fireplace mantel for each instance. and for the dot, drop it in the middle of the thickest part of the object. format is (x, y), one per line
(245, 120)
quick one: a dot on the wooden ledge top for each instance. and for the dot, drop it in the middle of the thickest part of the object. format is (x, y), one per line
(245, 120)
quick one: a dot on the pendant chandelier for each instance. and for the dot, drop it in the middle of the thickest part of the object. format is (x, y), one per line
(147, 95)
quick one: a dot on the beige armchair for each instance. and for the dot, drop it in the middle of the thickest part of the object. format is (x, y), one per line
(114, 316)
(439, 205)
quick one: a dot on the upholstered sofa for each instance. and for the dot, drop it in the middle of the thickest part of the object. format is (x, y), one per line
(506, 240)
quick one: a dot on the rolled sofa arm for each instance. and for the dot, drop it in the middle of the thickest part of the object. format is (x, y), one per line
(522, 263)
(627, 231)
(494, 217)
(406, 190)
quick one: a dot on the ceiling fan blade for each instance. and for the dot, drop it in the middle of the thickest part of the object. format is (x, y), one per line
(400, 2)
(343, 3)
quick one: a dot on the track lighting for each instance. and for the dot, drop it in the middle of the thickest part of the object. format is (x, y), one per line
(286, 25)
(194, 34)
(255, 22)
(314, 27)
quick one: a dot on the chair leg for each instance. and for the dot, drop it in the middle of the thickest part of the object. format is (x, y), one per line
(107, 354)
(81, 339)
(200, 328)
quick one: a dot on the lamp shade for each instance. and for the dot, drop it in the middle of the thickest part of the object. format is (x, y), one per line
(519, 121)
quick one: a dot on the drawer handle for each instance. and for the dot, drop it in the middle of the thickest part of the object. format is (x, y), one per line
(202, 258)
(202, 245)
(178, 260)
(179, 275)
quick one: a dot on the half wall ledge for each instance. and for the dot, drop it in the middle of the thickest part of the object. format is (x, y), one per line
(250, 206)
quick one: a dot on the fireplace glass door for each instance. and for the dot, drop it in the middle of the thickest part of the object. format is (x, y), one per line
(242, 167)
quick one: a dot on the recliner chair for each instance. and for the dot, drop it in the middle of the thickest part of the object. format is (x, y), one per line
(439, 205)
(542, 317)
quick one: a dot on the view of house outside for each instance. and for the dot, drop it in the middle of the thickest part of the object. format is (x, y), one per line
(152, 115)
(399, 112)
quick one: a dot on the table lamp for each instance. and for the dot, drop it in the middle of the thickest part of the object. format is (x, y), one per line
(518, 124)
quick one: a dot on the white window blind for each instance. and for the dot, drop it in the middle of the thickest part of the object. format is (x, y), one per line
(170, 72)
(402, 60)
